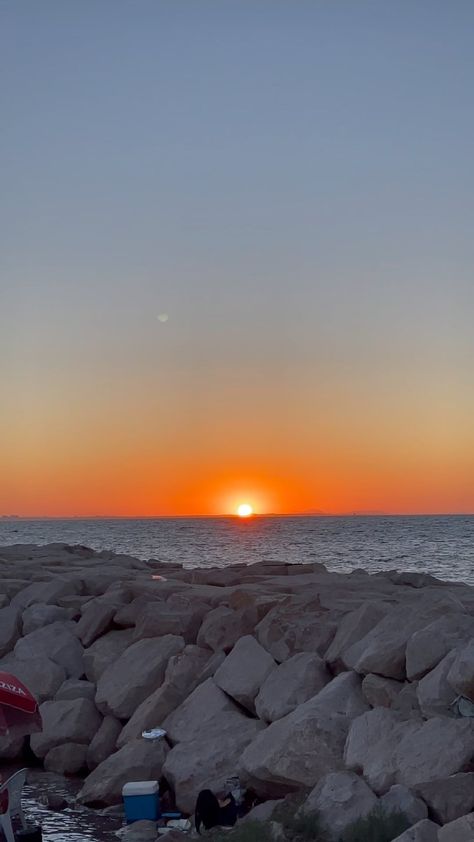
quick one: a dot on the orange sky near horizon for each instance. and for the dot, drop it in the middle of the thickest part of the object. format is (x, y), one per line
(289, 448)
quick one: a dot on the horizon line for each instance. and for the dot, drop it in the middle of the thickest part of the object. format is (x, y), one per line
(255, 515)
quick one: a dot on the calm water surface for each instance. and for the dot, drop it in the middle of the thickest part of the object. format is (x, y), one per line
(441, 545)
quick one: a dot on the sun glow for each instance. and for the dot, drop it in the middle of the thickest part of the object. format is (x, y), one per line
(244, 510)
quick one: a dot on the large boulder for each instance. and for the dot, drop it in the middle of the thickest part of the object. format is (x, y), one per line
(42, 676)
(400, 799)
(449, 798)
(183, 674)
(379, 691)
(383, 649)
(75, 688)
(206, 761)
(105, 651)
(128, 615)
(435, 693)
(96, 619)
(207, 710)
(353, 628)
(293, 682)
(74, 721)
(57, 642)
(308, 743)
(9, 628)
(39, 614)
(461, 830)
(439, 748)
(104, 743)
(371, 743)
(139, 760)
(178, 616)
(424, 831)
(428, 646)
(66, 759)
(461, 673)
(339, 799)
(388, 749)
(126, 683)
(224, 626)
(47, 592)
(243, 672)
(296, 625)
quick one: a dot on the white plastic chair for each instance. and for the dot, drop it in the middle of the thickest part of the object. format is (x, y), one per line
(13, 786)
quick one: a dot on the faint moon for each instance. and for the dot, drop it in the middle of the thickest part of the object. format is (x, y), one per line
(163, 317)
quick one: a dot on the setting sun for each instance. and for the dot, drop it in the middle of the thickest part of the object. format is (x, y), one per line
(244, 510)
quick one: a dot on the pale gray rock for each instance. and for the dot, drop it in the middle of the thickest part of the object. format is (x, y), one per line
(75, 688)
(42, 676)
(184, 673)
(46, 592)
(74, 721)
(308, 743)
(339, 799)
(400, 799)
(128, 615)
(428, 646)
(424, 831)
(223, 627)
(57, 642)
(40, 614)
(138, 760)
(207, 710)
(293, 682)
(460, 830)
(435, 693)
(126, 683)
(353, 628)
(243, 672)
(379, 691)
(371, 744)
(449, 798)
(104, 652)
(461, 673)
(206, 762)
(178, 616)
(407, 700)
(9, 629)
(96, 619)
(104, 743)
(439, 748)
(383, 649)
(66, 759)
(296, 625)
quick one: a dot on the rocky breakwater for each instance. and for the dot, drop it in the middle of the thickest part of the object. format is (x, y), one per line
(297, 679)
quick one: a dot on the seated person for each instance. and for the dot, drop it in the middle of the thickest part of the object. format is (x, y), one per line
(215, 810)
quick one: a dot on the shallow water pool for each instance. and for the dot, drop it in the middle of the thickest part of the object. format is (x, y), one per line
(75, 823)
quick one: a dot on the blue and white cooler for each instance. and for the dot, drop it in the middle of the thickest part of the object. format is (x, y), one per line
(141, 800)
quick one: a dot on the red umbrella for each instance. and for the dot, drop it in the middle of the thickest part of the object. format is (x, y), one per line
(19, 713)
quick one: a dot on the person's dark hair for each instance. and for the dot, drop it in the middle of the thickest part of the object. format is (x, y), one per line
(207, 811)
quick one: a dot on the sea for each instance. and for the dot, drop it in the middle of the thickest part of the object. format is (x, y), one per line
(442, 545)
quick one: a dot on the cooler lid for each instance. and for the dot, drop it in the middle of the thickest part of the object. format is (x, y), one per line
(140, 788)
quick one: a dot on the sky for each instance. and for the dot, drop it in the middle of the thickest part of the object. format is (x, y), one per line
(236, 256)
